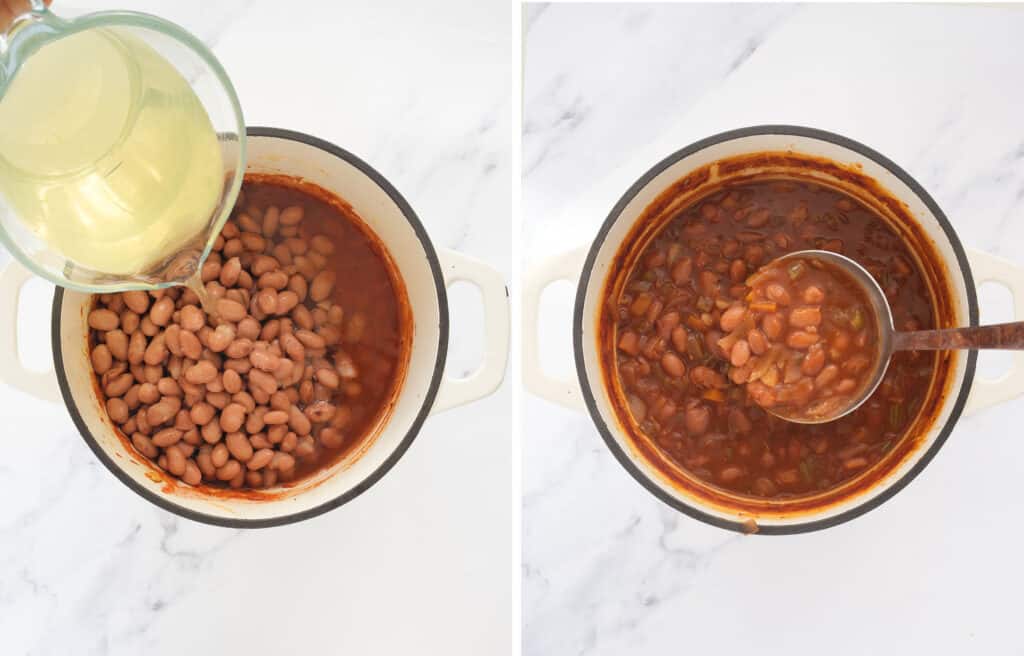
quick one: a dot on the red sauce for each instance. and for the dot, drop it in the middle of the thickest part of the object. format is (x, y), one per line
(676, 377)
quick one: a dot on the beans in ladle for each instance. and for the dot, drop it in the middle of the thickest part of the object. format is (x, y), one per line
(828, 322)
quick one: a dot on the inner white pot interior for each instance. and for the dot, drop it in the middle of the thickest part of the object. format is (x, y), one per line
(413, 258)
(625, 222)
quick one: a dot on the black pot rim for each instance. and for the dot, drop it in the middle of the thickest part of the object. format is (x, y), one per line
(578, 347)
(428, 400)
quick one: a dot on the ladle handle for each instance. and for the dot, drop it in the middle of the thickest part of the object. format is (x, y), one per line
(1006, 336)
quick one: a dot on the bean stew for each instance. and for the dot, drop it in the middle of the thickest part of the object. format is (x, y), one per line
(295, 369)
(677, 330)
(804, 340)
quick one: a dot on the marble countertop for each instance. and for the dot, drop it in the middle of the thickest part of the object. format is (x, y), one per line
(426, 562)
(610, 90)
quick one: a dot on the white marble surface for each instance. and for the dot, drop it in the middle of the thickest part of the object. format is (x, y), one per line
(609, 90)
(426, 561)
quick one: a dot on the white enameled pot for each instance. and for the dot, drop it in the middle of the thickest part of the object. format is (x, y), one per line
(425, 390)
(625, 225)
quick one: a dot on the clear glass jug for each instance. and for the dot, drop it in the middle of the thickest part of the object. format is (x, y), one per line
(120, 172)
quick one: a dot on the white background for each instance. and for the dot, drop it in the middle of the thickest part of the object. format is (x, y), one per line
(609, 91)
(426, 561)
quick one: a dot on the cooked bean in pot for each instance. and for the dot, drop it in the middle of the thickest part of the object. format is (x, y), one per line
(689, 291)
(292, 371)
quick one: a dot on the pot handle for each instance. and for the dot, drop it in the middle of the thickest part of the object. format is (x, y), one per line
(459, 391)
(12, 372)
(990, 268)
(566, 266)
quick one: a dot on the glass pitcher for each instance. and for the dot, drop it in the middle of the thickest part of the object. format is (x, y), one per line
(122, 149)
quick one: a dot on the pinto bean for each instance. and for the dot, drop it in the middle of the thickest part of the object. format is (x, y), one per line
(740, 353)
(119, 385)
(758, 342)
(144, 445)
(117, 343)
(167, 437)
(160, 313)
(283, 462)
(148, 393)
(262, 381)
(232, 418)
(320, 412)
(104, 320)
(732, 318)
(260, 459)
(271, 221)
(298, 421)
(129, 322)
(328, 378)
(697, 419)
(231, 310)
(219, 455)
(310, 339)
(137, 348)
(232, 381)
(800, 339)
(298, 285)
(201, 373)
(779, 294)
(814, 361)
(803, 316)
(117, 410)
(192, 474)
(673, 365)
(276, 280)
(136, 301)
(228, 470)
(286, 301)
(264, 360)
(292, 215)
(163, 411)
(156, 351)
(192, 318)
(102, 360)
(322, 285)
(239, 446)
(331, 438)
(256, 377)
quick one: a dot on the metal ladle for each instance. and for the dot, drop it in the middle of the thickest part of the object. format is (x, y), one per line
(1006, 336)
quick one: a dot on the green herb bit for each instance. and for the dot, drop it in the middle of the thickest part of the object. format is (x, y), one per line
(895, 415)
(857, 318)
(694, 348)
(805, 470)
(796, 270)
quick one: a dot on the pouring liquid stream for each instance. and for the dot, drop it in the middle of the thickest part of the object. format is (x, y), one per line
(207, 301)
